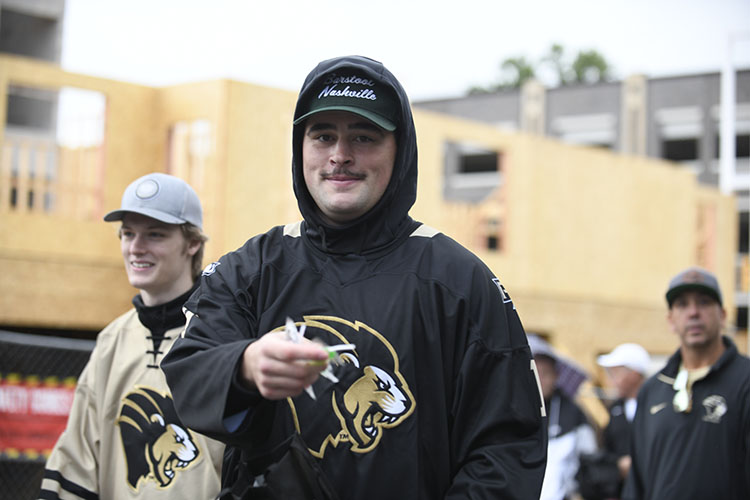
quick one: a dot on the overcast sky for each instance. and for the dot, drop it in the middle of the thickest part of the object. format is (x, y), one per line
(436, 48)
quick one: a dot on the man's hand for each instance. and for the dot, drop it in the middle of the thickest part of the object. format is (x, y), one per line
(278, 368)
(623, 465)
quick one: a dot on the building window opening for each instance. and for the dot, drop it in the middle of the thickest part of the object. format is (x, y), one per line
(493, 242)
(472, 172)
(680, 149)
(742, 318)
(52, 158)
(478, 162)
(191, 149)
(493, 234)
(741, 146)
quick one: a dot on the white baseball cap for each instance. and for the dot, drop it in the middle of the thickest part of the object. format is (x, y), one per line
(628, 355)
(162, 197)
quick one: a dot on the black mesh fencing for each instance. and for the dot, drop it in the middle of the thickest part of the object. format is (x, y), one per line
(25, 357)
(20, 479)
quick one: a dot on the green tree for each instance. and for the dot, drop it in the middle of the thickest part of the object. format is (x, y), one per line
(555, 58)
(591, 67)
(516, 72)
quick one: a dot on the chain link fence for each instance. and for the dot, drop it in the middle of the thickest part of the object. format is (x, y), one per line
(32, 359)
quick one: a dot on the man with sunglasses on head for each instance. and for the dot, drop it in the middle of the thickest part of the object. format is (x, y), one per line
(691, 433)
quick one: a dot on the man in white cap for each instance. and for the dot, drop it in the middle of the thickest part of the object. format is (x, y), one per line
(627, 367)
(691, 432)
(123, 438)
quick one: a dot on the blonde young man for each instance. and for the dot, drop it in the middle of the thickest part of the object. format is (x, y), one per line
(691, 432)
(124, 439)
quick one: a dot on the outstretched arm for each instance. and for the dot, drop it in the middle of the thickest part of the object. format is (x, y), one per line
(278, 368)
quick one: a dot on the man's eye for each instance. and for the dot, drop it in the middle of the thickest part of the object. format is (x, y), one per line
(156, 235)
(364, 138)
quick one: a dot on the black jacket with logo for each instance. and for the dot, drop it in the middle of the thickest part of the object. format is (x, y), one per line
(697, 455)
(438, 400)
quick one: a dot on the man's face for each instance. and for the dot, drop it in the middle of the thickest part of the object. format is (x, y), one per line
(697, 318)
(157, 258)
(626, 381)
(347, 162)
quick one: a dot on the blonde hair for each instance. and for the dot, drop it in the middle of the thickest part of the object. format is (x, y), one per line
(191, 232)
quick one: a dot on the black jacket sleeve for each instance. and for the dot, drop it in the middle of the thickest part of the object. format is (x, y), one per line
(201, 368)
(499, 435)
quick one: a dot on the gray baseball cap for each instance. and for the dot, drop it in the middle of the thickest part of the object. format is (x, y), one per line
(162, 197)
(694, 278)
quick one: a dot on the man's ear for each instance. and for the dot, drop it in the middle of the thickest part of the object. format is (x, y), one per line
(193, 247)
(669, 319)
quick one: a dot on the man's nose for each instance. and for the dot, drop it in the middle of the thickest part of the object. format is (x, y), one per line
(138, 244)
(341, 153)
(693, 307)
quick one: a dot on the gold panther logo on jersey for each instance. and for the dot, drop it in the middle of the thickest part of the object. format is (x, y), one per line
(371, 396)
(157, 446)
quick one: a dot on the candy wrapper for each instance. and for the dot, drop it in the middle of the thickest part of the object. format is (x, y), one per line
(295, 336)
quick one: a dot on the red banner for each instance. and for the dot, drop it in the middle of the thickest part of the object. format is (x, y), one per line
(33, 414)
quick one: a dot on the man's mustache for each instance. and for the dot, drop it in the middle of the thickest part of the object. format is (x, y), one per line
(342, 172)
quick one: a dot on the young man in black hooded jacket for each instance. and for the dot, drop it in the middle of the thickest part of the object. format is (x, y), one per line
(435, 397)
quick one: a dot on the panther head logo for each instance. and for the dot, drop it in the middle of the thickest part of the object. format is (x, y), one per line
(157, 445)
(716, 407)
(370, 397)
(375, 401)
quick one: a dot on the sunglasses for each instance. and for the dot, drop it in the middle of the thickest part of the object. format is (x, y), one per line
(682, 401)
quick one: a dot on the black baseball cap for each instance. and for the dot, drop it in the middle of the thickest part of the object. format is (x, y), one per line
(694, 278)
(352, 91)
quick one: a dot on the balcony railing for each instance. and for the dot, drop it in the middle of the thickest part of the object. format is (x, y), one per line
(39, 176)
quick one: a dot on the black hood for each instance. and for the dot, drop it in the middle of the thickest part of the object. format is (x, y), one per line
(388, 220)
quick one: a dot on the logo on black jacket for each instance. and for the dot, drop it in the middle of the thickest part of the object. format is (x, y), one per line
(157, 446)
(716, 407)
(370, 399)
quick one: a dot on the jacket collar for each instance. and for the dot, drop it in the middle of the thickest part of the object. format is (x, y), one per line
(673, 364)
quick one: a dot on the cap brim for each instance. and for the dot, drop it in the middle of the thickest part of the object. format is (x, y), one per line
(378, 120)
(674, 292)
(116, 215)
(607, 361)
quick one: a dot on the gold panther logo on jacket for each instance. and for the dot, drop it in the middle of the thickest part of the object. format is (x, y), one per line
(157, 445)
(371, 397)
